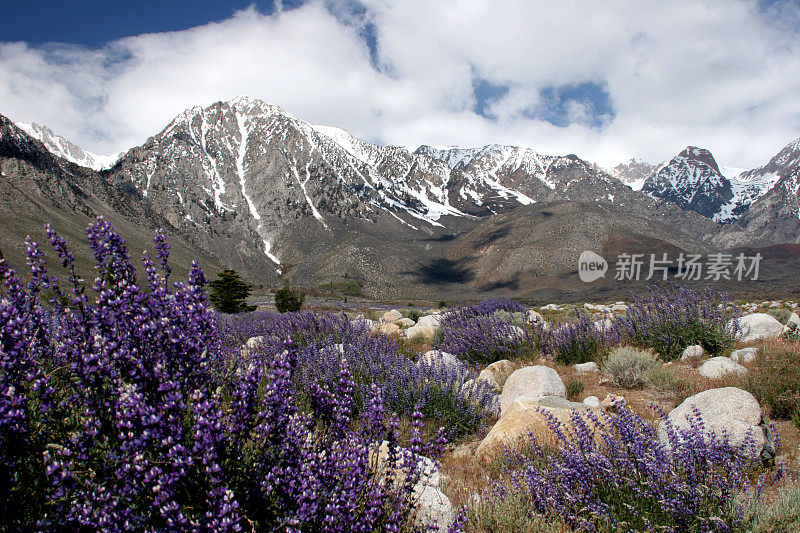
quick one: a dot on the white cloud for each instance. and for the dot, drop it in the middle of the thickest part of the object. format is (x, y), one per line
(717, 74)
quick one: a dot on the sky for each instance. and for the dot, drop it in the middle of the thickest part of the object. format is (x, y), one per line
(604, 80)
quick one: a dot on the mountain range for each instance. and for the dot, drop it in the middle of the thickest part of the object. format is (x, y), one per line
(245, 184)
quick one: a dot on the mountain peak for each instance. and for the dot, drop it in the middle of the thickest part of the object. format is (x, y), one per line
(700, 155)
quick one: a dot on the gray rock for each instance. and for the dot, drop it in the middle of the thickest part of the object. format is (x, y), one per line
(592, 402)
(437, 357)
(730, 411)
(433, 507)
(584, 368)
(551, 307)
(758, 326)
(531, 383)
(719, 367)
(405, 322)
(692, 351)
(392, 316)
(527, 416)
(489, 378)
(534, 317)
(744, 355)
(515, 333)
(604, 324)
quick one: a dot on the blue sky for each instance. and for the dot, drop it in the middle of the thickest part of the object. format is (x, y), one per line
(606, 81)
(95, 22)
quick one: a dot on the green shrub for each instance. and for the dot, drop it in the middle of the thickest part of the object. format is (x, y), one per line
(574, 389)
(508, 511)
(781, 314)
(413, 314)
(442, 304)
(774, 379)
(796, 418)
(345, 288)
(664, 380)
(629, 366)
(778, 515)
(289, 300)
(228, 293)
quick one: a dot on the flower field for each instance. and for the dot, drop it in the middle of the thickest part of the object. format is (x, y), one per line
(128, 403)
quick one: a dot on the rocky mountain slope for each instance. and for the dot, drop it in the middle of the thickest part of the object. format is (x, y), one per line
(633, 172)
(774, 216)
(37, 187)
(247, 185)
(693, 180)
(65, 149)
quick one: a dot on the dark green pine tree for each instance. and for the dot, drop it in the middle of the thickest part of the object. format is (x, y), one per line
(288, 299)
(228, 293)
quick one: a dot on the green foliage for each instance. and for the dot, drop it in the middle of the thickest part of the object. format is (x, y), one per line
(442, 304)
(781, 314)
(664, 380)
(778, 515)
(629, 366)
(228, 293)
(574, 389)
(508, 511)
(774, 379)
(289, 300)
(796, 418)
(346, 288)
(413, 314)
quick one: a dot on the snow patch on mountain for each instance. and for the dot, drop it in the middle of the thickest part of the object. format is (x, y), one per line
(65, 149)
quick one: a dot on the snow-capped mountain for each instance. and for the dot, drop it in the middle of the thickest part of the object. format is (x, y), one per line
(692, 180)
(254, 188)
(61, 147)
(256, 164)
(773, 216)
(633, 172)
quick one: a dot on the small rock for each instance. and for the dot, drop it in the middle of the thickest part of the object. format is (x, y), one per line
(405, 323)
(390, 329)
(744, 355)
(793, 321)
(534, 317)
(438, 357)
(489, 378)
(619, 307)
(604, 381)
(423, 333)
(359, 320)
(551, 307)
(392, 316)
(430, 321)
(719, 367)
(612, 403)
(592, 402)
(515, 333)
(604, 324)
(692, 352)
(584, 368)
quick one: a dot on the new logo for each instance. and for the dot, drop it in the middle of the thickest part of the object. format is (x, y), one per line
(591, 266)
